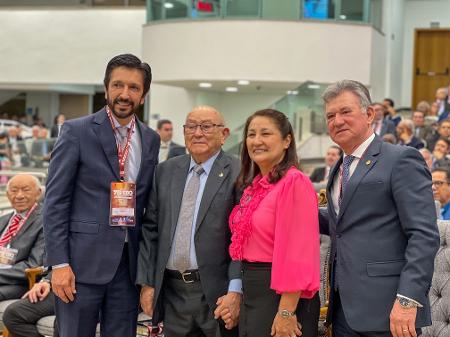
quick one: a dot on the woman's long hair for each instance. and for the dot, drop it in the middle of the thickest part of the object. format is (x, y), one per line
(249, 169)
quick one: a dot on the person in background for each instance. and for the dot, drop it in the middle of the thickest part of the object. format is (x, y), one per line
(421, 130)
(392, 113)
(405, 135)
(428, 157)
(56, 128)
(441, 190)
(381, 125)
(168, 148)
(275, 233)
(320, 174)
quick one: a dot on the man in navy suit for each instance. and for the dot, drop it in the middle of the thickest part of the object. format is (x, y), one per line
(91, 249)
(382, 224)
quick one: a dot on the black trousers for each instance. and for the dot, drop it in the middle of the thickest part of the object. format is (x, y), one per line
(260, 304)
(187, 313)
(12, 291)
(20, 317)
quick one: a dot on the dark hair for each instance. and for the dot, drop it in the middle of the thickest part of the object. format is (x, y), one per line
(336, 148)
(443, 169)
(161, 122)
(132, 62)
(391, 102)
(445, 140)
(249, 169)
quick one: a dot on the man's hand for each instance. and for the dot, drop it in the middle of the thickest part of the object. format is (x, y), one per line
(403, 321)
(228, 307)
(147, 295)
(63, 283)
(38, 293)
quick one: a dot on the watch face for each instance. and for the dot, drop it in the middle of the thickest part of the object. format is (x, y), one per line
(404, 302)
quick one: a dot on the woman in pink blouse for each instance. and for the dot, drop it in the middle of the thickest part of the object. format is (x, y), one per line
(275, 233)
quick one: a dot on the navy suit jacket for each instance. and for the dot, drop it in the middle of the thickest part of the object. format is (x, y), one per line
(384, 238)
(76, 212)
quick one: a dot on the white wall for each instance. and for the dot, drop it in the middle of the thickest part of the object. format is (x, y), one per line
(258, 50)
(378, 71)
(419, 14)
(47, 105)
(174, 103)
(65, 46)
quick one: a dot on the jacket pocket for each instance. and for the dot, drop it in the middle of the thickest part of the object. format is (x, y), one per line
(385, 268)
(84, 227)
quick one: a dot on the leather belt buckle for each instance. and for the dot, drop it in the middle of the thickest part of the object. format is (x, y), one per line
(184, 275)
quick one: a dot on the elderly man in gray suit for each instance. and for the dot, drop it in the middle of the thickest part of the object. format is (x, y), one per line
(21, 236)
(382, 223)
(184, 267)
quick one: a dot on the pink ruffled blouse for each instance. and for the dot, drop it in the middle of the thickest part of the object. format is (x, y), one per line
(283, 230)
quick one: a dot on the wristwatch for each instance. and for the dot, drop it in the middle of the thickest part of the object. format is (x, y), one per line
(406, 303)
(286, 313)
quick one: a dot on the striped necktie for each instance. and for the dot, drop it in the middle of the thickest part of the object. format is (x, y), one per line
(11, 231)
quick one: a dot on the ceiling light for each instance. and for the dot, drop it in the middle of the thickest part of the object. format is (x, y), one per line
(243, 82)
(231, 89)
(168, 5)
(205, 85)
(313, 86)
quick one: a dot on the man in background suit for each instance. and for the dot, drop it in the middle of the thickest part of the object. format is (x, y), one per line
(183, 264)
(320, 174)
(93, 257)
(382, 223)
(168, 149)
(56, 128)
(21, 230)
(381, 125)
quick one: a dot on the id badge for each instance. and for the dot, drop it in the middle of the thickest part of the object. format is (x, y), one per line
(123, 204)
(7, 257)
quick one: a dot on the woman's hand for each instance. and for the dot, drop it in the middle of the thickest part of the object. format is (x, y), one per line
(285, 326)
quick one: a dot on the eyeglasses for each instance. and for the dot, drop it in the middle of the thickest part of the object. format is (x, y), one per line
(205, 127)
(439, 183)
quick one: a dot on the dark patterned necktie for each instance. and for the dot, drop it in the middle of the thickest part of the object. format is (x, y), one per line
(348, 160)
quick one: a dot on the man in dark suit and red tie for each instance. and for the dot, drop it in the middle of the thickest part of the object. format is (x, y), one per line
(98, 184)
(382, 223)
(21, 235)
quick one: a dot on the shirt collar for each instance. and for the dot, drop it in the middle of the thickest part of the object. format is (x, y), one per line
(118, 125)
(358, 153)
(207, 165)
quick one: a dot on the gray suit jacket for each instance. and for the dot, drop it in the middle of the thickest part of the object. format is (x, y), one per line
(30, 243)
(212, 236)
(384, 238)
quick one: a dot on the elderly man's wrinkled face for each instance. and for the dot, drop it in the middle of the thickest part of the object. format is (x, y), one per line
(23, 192)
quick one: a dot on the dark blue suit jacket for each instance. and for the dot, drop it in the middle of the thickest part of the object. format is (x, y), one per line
(76, 212)
(384, 238)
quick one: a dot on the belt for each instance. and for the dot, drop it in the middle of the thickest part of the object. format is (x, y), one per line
(189, 276)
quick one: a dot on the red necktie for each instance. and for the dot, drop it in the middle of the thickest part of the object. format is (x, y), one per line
(11, 231)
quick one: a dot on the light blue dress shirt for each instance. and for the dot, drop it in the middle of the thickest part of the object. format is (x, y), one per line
(235, 285)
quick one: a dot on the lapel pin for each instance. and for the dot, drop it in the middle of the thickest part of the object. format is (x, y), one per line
(368, 162)
(221, 174)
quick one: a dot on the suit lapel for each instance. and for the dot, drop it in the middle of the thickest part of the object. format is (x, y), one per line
(30, 220)
(4, 222)
(145, 146)
(104, 132)
(365, 164)
(177, 188)
(219, 172)
(333, 172)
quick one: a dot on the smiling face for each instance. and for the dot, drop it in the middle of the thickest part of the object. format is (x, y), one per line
(23, 192)
(201, 144)
(265, 144)
(348, 125)
(125, 93)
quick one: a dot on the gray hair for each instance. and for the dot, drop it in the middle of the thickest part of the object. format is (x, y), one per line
(354, 87)
(408, 123)
(36, 180)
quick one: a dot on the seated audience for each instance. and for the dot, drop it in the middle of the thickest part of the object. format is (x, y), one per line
(443, 130)
(421, 130)
(381, 125)
(21, 317)
(423, 106)
(56, 128)
(441, 190)
(320, 174)
(405, 134)
(389, 138)
(22, 238)
(441, 151)
(41, 148)
(443, 103)
(428, 157)
(392, 114)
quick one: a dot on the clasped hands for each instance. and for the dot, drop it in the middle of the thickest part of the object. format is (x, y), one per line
(228, 307)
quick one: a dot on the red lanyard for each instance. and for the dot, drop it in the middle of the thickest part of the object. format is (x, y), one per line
(21, 222)
(122, 153)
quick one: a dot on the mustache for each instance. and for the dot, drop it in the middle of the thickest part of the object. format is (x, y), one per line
(120, 100)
